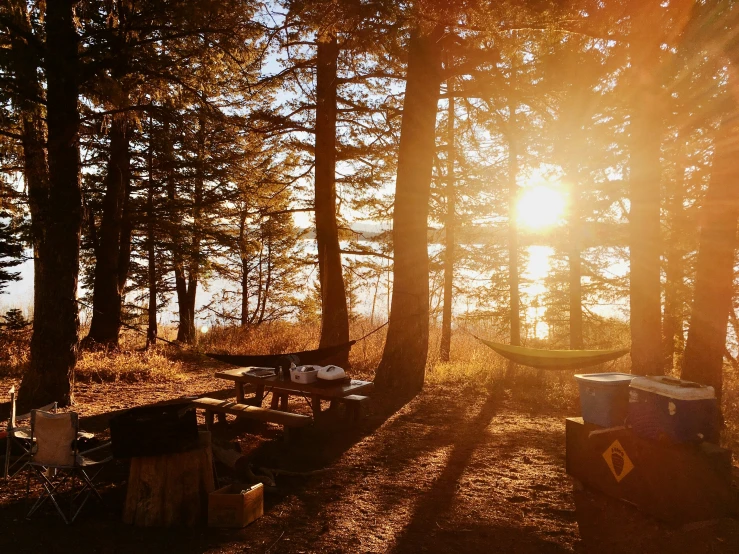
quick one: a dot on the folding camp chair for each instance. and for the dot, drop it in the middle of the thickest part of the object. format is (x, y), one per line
(59, 465)
(18, 438)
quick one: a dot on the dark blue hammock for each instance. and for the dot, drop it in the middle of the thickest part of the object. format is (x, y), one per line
(305, 357)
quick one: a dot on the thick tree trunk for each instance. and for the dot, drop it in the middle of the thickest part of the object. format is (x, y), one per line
(575, 274)
(646, 127)
(54, 344)
(704, 351)
(513, 275)
(113, 249)
(449, 228)
(334, 314)
(403, 366)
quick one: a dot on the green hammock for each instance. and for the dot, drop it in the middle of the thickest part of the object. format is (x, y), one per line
(554, 359)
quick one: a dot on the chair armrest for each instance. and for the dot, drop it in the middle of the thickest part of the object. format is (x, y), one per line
(95, 449)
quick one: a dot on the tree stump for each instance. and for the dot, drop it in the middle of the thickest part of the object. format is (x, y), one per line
(171, 489)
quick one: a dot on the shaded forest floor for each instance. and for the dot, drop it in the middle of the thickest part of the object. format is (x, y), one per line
(461, 468)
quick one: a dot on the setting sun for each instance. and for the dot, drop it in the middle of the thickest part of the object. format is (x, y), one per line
(539, 207)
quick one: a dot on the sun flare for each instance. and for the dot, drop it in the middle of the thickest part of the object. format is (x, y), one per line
(540, 207)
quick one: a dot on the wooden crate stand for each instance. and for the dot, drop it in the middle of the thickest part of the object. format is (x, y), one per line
(235, 505)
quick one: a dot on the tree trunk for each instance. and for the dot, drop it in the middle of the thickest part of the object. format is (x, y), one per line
(54, 344)
(704, 351)
(24, 64)
(187, 282)
(403, 366)
(449, 225)
(334, 314)
(124, 252)
(186, 325)
(513, 277)
(575, 263)
(151, 332)
(268, 279)
(244, 293)
(646, 127)
(113, 249)
(672, 318)
(243, 255)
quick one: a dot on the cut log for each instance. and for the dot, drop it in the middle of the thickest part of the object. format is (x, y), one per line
(172, 489)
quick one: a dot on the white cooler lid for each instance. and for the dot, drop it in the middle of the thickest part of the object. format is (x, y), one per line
(673, 388)
(605, 378)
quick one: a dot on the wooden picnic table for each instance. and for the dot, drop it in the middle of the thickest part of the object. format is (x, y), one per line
(281, 390)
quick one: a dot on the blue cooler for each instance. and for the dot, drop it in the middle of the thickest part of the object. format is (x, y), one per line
(672, 410)
(604, 398)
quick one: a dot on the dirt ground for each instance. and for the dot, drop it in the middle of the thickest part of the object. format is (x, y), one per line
(456, 470)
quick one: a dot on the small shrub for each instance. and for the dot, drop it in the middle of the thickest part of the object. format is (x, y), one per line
(14, 320)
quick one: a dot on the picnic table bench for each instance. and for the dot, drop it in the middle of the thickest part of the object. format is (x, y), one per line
(213, 406)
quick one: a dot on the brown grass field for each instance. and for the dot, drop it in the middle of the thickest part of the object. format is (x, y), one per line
(473, 464)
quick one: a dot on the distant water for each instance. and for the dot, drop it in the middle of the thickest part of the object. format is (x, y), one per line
(19, 294)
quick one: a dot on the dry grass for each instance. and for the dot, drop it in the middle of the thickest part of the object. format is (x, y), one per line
(278, 337)
(14, 353)
(128, 366)
(472, 363)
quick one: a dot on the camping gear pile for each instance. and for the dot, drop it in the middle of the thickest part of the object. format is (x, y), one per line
(652, 442)
(307, 374)
(655, 407)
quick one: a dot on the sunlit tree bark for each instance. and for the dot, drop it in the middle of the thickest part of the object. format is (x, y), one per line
(672, 316)
(513, 270)
(575, 271)
(706, 344)
(403, 366)
(645, 127)
(334, 314)
(449, 229)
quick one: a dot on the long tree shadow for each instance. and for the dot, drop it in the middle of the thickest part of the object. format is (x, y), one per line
(321, 446)
(392, 438)
(424, 532)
